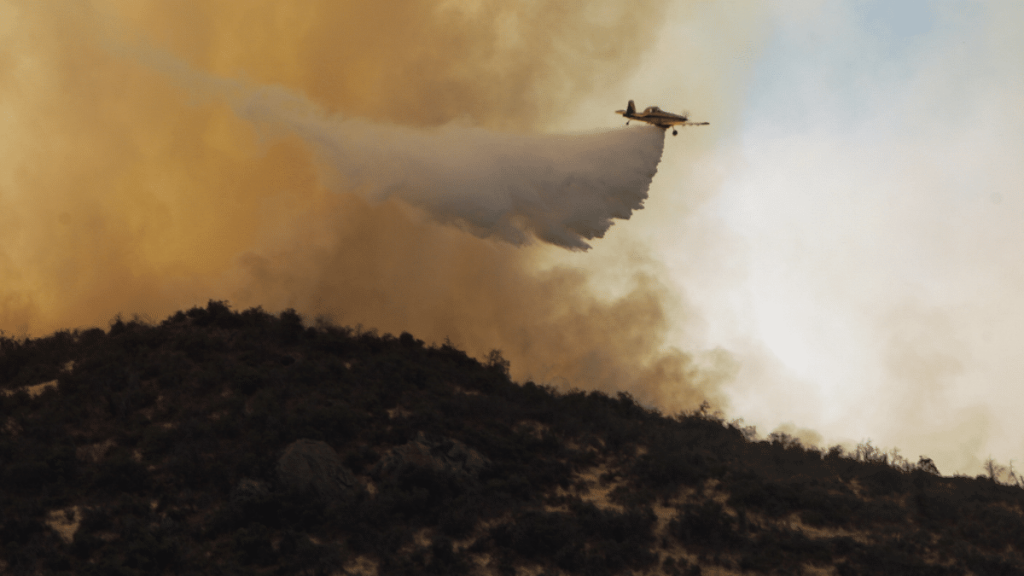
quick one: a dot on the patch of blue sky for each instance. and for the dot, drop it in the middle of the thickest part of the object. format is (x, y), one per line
(831, 65)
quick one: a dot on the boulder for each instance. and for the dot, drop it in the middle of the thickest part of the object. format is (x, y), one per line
(311, 466)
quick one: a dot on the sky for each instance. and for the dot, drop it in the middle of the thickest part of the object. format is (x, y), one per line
(882, 208)
(870, 222)
(835, 256)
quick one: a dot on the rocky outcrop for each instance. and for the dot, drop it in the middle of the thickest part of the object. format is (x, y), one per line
(311, 466)
(444, 455)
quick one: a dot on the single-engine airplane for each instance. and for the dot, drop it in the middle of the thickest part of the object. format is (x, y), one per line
(658, 117)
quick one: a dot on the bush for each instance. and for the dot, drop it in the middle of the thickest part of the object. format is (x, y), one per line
(538, 535)
(120, 473)
(585, 539)
(886, 480)
(667, 466)
(253, 546)
(27, 477)
(706, 524)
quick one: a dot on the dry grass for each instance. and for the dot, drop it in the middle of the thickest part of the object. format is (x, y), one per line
(587, 485)
(819, 570)
(482, 564)
(531, 428)
(12, 427)
(793, 522)
(398, 412)
(362, 566)
(65, 522)
(94, 452)
(34, 390)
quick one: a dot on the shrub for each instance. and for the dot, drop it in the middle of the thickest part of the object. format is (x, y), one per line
(667, 466)
(27, 476)
(120, 473)
(252, 544)
(706, 524)
(885, 480)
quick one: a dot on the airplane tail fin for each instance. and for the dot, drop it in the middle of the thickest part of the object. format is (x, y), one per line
(631, 108)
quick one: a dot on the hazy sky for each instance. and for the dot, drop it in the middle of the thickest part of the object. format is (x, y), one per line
(837, 254)
(881, 206)
(859, 249)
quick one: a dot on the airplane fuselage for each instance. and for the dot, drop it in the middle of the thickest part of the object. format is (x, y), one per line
(657, 117)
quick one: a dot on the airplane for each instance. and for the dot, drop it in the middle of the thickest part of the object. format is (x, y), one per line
(658, 117)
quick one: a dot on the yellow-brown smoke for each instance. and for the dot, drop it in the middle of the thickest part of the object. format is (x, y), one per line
(121, 192)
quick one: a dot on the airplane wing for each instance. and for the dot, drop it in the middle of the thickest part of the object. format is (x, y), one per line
(658, 117)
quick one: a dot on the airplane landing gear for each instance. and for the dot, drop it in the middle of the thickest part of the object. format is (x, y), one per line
(627, 122)
(674, 132)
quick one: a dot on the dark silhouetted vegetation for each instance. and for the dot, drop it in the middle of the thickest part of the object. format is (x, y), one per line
(156, 452)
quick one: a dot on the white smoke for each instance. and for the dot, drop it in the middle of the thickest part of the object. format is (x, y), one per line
(563, 189)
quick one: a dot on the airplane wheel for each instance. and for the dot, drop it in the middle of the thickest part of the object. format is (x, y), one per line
(674, 132)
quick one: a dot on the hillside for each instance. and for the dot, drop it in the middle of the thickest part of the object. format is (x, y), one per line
(222, 442)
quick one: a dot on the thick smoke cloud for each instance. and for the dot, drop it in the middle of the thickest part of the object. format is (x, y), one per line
(124, 192)
(878, 218)
(561, 188)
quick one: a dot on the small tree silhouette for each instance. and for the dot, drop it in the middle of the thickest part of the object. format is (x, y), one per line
(1016, 479)
(994, 470)
(497, 361)
(927, 465)
(865, 452)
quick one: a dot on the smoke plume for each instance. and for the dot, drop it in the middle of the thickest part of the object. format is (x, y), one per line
(561, 188)
(124, 192)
